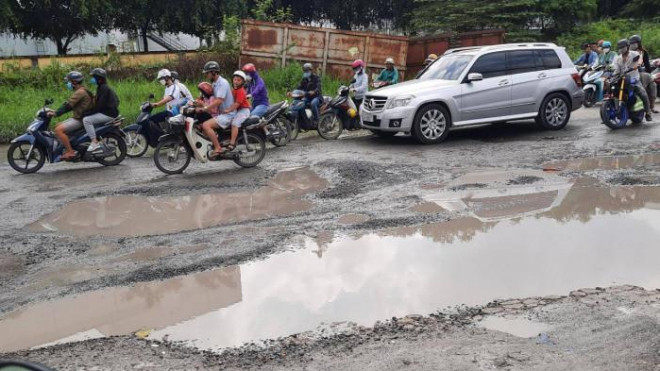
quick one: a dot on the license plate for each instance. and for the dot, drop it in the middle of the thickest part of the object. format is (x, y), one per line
(368, 117)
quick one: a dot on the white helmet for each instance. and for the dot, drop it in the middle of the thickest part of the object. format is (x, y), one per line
(162, 74)
(389, 60)
(241, 74)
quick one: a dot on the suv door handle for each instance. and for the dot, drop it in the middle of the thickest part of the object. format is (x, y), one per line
(542, 75)
(504, 83)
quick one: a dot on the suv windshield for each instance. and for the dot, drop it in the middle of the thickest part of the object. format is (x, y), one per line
(448, 67)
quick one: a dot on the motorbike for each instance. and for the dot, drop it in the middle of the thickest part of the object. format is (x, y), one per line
(589, 78)
(185, 140)
(140, 136)
(338, 114)
(621, 103)
(28, 152)
(300, 115)
(279, 129)
(656, 75)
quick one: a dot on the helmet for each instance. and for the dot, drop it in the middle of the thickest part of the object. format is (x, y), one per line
(607, 44)
(389, 61)
(74, 76)
(211, 66)
(205, 88)
(431, 58)
(240, 74)
(175, 75)
(99, 72)
(307, 67)
(635, 39)
(163, 74)
(249, 68)
(358, 63)
(623, 43)
(586, 45)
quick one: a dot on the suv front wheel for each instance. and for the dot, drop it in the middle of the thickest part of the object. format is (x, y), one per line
(431, 124)
(554, 112)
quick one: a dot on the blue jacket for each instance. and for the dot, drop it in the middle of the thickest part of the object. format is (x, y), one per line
(590, 60)
(257, 88)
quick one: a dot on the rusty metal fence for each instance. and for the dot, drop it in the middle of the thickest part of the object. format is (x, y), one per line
(270, 45)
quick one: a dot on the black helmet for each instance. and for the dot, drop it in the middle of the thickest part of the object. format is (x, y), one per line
(623, 43)
(175, 75)
(99, 72)
(586, 45)
(74, 76)
(211, 66)
(635, 39)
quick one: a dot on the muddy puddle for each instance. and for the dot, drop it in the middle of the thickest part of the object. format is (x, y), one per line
(651, 160)
(120, 216)
(548, 243)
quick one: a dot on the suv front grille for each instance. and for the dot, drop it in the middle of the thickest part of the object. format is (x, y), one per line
(374, 104)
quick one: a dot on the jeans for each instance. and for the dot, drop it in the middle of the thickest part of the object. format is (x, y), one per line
(314, 104)
(259, 110)
(599, 88)
(95, 119)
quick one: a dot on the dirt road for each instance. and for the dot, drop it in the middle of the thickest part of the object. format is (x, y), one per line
(331, 237)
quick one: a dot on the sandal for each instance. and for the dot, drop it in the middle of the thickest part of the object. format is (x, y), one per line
(231, 147)
(69, 156)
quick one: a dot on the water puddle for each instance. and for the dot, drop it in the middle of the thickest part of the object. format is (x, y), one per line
(120, 216)
(350, 219)
(585, 237)
(427, 208)
(516, 326)
(607, 163)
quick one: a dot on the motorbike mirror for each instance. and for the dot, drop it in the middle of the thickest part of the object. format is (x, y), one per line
(152, 96)
(48, 101)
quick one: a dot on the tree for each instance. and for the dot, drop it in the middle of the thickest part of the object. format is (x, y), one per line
(61, 21)
(561, 16)
(140, 16)
(643, 9)
(264, 10)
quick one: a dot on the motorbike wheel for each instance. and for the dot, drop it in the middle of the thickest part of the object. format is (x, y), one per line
(250, 155)
(18, 157)
(611, 118)
(136, 144)
(637, 117)
(281, 139)
(117, 143)
(170, 159)
(330, 126)
(589, 98)
(294, 129)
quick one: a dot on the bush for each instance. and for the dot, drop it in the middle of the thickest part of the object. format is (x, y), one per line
(613, 30)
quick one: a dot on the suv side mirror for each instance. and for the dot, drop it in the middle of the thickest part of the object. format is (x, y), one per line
(475, 77)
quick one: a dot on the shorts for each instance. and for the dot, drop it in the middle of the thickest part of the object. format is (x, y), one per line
(71, 125)
(234, 119)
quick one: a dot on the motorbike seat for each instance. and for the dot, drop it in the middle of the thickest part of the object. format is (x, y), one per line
(252, 120)
(273, 107)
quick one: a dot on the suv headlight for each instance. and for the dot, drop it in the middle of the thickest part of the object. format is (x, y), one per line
(401, 101)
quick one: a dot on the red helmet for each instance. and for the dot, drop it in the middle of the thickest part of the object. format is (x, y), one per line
(358, 63)
(205, 88)
(249, 68)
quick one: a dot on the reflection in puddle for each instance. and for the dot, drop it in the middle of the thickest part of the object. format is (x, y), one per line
(520, 327)
(607, 163)
(594, 237)
(143, 216)
(427, 208)
(349, 219)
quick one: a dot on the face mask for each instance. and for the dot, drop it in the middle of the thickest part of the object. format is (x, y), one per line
(623, 50)
(93, 81)
(634, 47)
(249, 78)
(606, 50)
(69, 86)
(307, 75)
(162, 82)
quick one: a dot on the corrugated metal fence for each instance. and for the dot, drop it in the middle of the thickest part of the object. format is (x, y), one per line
(273, 44)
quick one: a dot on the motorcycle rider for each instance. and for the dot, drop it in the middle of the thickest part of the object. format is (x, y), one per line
(79, 102)
(173, 99)
(605, 59)
(223, 99)
(311, 85)
(256, 90)
(645, 74)
(106, 107)
(589, 57)
(625, 61)
(360, 81)
(430, 59)
(389, 75)
(184, 89)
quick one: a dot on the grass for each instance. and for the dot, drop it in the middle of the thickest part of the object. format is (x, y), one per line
(19, 104)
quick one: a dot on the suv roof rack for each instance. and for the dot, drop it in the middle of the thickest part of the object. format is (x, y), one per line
(501, 46)
(465, 48)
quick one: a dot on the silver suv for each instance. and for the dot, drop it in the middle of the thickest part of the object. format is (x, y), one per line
(478, 85)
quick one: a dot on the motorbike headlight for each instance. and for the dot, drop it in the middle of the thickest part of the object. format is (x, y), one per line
(352, 113)
(401, 101)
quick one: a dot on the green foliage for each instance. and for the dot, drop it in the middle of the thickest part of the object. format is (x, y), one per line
(561, 16)
(643, 9)
(613, 30)
(265, 11)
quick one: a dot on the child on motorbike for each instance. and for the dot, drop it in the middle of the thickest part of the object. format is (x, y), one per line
(240, 109)
(80, 101)
(205, 99)
(106, 107)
